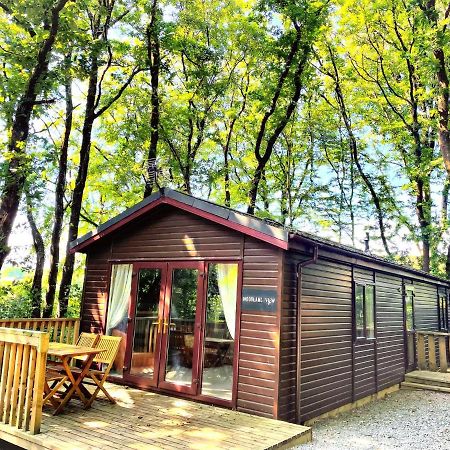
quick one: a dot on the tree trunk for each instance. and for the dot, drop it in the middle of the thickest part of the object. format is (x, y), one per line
(443, 107)
(226, 168)
(447, 263)
(429, 9)
(154, 58)
(38, 243)
(100, 36)
(59, 196)
(423, 201)
(227, 147)
(17, 169)
(355, 154)
(444, 205)
(80, 183)
(263, 158)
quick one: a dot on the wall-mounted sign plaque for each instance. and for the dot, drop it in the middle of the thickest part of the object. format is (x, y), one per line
(259, 299)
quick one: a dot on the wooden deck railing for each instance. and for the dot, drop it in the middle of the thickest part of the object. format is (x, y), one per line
(59, 330)
(23, 355)
(433, 349)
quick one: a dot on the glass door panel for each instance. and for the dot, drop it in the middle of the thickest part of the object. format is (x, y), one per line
(218, 343)
(145, 328)
(146, 322)
(180, 330)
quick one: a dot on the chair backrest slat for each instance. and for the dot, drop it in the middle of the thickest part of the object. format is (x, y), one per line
(88, 339)
(111, 346)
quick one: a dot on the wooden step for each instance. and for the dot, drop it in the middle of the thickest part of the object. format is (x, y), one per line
(427, 387)
(429, 378)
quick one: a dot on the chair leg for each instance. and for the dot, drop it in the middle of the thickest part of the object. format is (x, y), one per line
(111, 399)
(92, 398)
(100, 386)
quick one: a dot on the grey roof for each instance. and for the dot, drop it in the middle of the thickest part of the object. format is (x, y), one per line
(267, 227)
(247, 220)
(361, 253)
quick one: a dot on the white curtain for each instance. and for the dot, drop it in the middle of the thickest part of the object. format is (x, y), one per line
(119, 295)
(227, 278)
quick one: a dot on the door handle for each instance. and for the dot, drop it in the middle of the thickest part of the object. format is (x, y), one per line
(159, 325)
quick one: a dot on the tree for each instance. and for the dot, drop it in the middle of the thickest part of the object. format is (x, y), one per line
(60, 188)
(385, 55)
(341, 105)
(438, 23)
(154, 62)
(300, 23)
(17, 161)
(102, 17)
(39, 248)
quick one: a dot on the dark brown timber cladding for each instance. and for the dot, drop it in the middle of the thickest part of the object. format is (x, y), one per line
(171, 234)
(364, 365)
(95, 289)
(425, 306)
(326, 342)
(390, 345)
(259, 337)
(288, 341)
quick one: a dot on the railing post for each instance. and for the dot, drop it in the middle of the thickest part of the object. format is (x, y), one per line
(76, 330)
(421, 362)
(443, 363)
(432, 353)
(38, 397)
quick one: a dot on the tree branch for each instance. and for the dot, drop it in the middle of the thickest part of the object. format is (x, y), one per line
(119, 92)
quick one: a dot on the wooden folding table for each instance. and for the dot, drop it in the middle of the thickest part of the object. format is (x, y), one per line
(65, 352)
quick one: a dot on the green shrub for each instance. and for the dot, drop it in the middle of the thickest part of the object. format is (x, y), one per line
(15, 299)
(73, 309)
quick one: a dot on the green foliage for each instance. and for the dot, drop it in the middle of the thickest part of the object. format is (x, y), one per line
(15, 298)
(76, 292)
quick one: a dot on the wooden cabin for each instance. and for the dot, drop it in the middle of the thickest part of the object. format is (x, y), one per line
(221, 307)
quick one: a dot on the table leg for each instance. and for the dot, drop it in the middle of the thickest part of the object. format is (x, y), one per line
(75, 383)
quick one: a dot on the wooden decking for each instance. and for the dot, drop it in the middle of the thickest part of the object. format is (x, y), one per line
(145, 420)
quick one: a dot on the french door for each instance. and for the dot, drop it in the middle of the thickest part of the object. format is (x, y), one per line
(165, 330)
(182, 328)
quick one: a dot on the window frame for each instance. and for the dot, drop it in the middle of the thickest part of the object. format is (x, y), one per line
(365, 334)
(410, 289)
(443, 312)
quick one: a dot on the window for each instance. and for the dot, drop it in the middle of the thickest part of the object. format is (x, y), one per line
(117, 317)
(443, 312)
(218, 349)
(365, 310)
(409, 308)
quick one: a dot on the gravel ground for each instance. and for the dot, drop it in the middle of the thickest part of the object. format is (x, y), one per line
(406, 419)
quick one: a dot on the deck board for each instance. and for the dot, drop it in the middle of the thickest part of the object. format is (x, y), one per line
(146, 420)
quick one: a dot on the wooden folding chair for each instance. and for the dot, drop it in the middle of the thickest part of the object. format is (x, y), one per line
(88, 339)
(111, 346)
